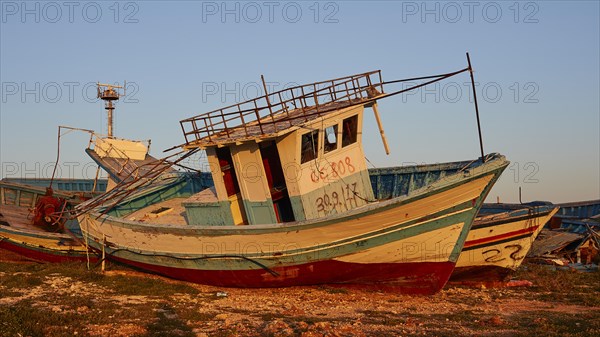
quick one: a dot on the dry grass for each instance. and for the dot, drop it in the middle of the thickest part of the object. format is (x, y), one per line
(69, 300)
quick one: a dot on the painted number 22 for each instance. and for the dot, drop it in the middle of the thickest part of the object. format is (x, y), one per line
(495, 255)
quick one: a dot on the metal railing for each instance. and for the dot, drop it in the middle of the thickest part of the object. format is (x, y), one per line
(279, 110)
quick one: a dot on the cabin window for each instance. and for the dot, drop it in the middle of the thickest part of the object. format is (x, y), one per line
(310, 146)
(330, 138)
(349, 128)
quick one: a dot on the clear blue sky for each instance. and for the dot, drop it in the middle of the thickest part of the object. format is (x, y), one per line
(537, 64)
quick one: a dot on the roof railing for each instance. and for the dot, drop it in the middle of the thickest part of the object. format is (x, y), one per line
(278, 110)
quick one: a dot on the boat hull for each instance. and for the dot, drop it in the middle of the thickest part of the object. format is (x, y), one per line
(410, 243)
(496, 247)
(43, 254)
(418, 278)
(43, 246)
(19, 235)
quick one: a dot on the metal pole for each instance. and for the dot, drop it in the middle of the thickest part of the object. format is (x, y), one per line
(266, 95)
(57, 157)
(103, 251)
(476, 108)
(96, 180)
(520, 199)
(383, 139)
(110, 119)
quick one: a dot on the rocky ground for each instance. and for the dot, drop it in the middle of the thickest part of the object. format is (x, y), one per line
(69, 300)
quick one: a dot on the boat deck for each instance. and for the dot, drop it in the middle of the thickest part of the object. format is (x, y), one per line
(16, 216)
(16, 224)
(166, 212)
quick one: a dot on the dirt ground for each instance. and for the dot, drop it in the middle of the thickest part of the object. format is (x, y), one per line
(69, 300)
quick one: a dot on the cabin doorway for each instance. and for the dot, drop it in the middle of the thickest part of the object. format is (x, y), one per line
(229, 176)
(276, 181)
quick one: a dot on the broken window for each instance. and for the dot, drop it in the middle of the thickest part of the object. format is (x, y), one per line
(310, 146)
(330, 138)
(349, 128)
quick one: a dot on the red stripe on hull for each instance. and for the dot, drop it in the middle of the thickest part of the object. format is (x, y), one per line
(500, 237)
(46, 255)
(422, 278)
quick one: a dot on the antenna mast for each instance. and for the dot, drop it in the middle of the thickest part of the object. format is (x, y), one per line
(108, 94)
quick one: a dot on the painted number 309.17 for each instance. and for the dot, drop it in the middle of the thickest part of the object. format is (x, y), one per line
(344, 200)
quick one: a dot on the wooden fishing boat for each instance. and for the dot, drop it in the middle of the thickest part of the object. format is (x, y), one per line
(26, 203)
(293, 202)
(35, 219)
(31, 224)
(499, 240)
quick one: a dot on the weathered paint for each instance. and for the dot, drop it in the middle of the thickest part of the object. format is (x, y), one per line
(40, 245)
(445, 209)
(236, 211)
(338, 196)
(424, 278)
(374, 217)
(120, 148)
(259, 212)
(17, 235)
(43, 254)
(435, 245)
(209, 213)
(297, 208)
(340, 174)
(256, 198)
(167, 187)
(217, 174)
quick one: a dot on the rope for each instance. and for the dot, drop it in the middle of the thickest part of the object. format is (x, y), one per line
(370, 162)
(57, 158)
(126, 188)
(271, 271)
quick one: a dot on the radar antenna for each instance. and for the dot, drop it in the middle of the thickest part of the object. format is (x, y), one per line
(109, 93)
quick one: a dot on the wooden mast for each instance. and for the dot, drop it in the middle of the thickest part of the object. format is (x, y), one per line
(383, 139)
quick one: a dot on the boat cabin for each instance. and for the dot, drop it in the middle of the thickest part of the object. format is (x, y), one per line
(291, 155)
(122, 159)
